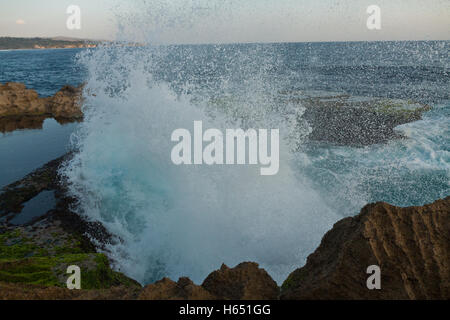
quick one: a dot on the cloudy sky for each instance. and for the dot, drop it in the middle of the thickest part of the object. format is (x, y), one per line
(219, 21)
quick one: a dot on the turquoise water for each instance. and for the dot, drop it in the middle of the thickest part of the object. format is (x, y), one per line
(176, 221)
(412, 171)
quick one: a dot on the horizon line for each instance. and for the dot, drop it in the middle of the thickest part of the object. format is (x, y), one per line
(222, 43)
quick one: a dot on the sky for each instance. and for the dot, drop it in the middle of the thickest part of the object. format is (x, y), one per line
(228, 21)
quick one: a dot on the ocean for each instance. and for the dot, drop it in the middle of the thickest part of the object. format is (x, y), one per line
(175, 221)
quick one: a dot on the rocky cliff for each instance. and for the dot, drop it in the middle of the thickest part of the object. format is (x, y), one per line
(410, 245)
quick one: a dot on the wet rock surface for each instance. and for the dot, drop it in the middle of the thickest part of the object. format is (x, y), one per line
(246, 281)
(410, 245)
(342, 119)
(66, 103)
(167, 289)
(22, 108)
(333, 117)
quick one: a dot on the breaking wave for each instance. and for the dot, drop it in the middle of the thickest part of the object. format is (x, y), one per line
(187, 220)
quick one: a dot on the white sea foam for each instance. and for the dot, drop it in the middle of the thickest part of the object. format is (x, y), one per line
(180, 221)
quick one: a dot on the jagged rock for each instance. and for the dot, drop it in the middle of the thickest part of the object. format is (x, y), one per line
(410, 245)
(167, 289)
(243, 282)
(18, 101)
(66, 103)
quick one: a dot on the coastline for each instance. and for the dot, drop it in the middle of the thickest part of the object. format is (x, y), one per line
(85, 242)
(12, 43)
(68, 237)
(42, 49)
(48, 242)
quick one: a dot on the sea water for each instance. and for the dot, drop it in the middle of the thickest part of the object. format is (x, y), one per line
(177, 221)
(186, 221)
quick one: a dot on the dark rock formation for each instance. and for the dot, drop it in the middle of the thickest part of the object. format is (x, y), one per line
(357, 121)
(244, 282)
(167, 289)
(16, 101)
(342, 119)
(410, 245)
(334, 118)
(65, 104)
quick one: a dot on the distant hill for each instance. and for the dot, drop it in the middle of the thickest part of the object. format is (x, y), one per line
(67, 39)
(8, 43)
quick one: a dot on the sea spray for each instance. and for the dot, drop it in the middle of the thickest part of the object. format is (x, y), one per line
(185, 221)
(181, 221)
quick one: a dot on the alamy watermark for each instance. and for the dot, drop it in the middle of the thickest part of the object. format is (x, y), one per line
(235, 147)
(73, 22)
(374, 281)
(74, 280)
(374, 20)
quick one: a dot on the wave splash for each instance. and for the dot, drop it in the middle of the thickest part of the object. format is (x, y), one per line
(183, 220)
(187, 220)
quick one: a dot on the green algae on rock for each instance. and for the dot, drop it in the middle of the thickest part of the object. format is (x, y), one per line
(41, 256)
(39, 252)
